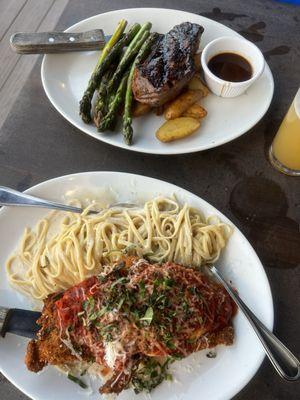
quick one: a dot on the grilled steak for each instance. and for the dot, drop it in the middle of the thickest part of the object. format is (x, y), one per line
(169, 66)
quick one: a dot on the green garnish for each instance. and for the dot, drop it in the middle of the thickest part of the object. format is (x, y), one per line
(57, 296)
(193, 290)
(108, 332)
(211, 354)
(168, 283)
(119, 281)
(168, 340)
(150, 374)
(147, 318)
(78, 381)
(142, 288)
(89, 304)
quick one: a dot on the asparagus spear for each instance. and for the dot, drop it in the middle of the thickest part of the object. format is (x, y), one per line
(108, 120)
(101, 103)
(129, 55)
(86, 101)
(127, 116)
(102, 100)
(113, 40)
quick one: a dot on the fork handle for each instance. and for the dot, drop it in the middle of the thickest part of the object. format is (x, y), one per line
(285, 363)
(11, 197)
(56, 42)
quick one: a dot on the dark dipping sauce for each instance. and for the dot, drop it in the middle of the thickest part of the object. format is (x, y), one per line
(230, 67)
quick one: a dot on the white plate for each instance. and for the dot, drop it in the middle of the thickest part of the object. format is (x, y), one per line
(216, 379)
(65, 78)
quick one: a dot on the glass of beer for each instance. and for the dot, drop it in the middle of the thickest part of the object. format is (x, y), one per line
(284, 152)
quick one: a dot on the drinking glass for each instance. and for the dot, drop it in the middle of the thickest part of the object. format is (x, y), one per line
(284, 153)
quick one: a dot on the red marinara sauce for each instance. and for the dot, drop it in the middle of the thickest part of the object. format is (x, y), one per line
(70, 304)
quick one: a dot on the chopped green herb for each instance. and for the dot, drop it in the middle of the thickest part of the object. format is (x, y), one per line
(47, 330)
(57, 296)
(148, 316)
(77, 380)
(108, 331)
(120, 303)
(150, 374)
(168, 340)
(168, 283)
(102, 278)
(211, 354)
(186, 307)
(119, 281)
(142, 288)
(175, 357)
(88, 304)
(135, 315)
(157, 282)
(193, 290)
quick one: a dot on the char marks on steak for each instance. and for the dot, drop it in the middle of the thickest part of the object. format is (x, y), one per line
(169, 66)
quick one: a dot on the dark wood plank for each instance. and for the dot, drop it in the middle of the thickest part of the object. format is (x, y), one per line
(20, 72)
(23, 22)
(9, 12)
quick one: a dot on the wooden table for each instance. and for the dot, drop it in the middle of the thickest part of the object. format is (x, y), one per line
(16, 16)
(36, 143)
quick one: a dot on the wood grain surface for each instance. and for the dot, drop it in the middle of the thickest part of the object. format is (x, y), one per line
(36, 143)
(16, 16)
(56, 42)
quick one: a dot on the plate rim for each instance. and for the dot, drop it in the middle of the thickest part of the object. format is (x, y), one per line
(31, 190)
(144, 150)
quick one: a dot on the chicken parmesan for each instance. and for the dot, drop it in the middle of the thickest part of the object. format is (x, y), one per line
(131, 321)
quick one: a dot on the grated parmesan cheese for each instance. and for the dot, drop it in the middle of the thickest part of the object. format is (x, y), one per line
(113, 350)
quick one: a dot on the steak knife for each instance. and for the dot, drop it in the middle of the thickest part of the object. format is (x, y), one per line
(19, 322)
(57, 42)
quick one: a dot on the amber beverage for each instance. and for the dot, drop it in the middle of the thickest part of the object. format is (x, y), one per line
(285, 150)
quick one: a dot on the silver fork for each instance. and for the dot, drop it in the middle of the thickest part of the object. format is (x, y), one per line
(285, 363)
(11, 197)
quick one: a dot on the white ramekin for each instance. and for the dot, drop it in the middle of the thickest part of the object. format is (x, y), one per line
(231, 45)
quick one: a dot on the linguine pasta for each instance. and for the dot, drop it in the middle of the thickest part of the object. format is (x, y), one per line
(161, 231)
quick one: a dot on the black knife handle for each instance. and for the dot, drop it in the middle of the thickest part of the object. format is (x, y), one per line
(57, 42)
(20, 322)
(4, 312)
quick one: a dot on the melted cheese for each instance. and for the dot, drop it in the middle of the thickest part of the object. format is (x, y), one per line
(68, 343)
(113, 350)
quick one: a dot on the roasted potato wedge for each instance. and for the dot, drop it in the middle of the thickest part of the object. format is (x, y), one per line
(195, 111)
(182, 102)
(140, 109)
(196, 84)
(177, 128)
